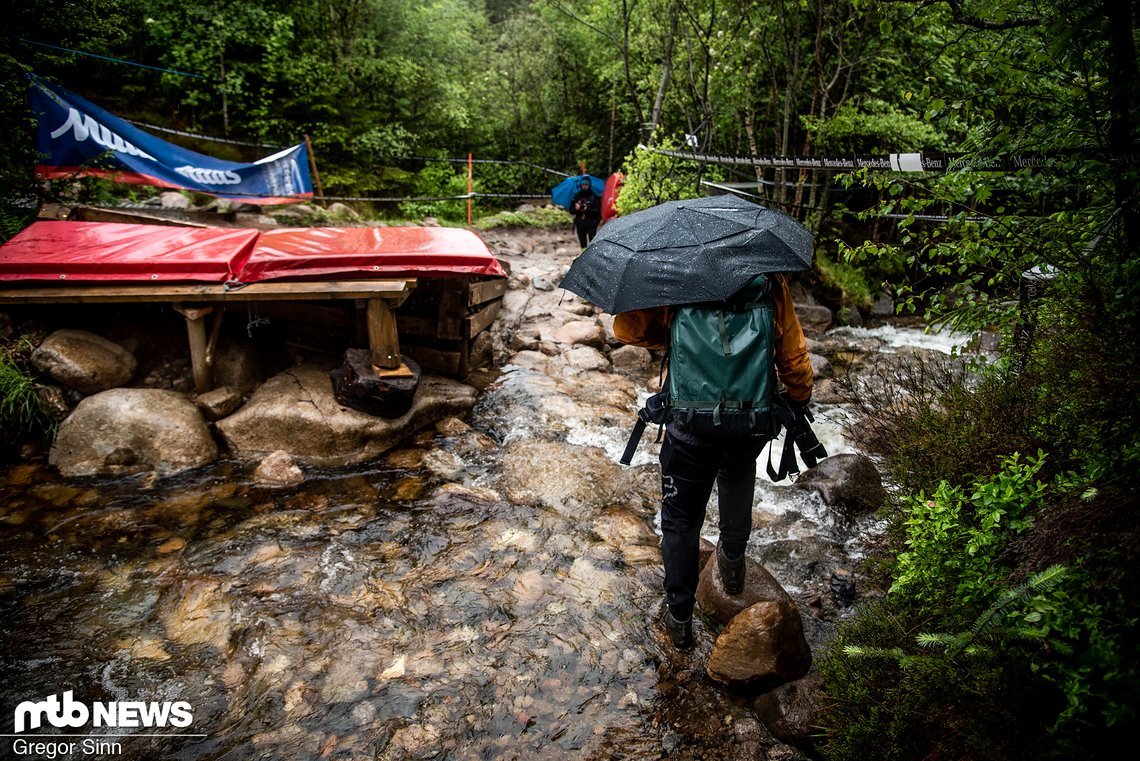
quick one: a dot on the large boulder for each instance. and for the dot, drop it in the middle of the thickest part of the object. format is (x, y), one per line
(631, 359)
(133, 430)
(814, 319)
(850, 483)
(296, 412)
(762, 647)
(84, 361)
(792, 711)
(759, 586)
(580, 333)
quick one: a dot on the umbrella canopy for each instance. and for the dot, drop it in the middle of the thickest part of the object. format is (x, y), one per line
(563, 193)
(686, 252)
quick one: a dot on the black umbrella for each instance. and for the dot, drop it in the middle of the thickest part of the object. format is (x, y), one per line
(686, 252)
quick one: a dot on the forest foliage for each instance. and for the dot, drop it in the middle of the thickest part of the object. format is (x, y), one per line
(1028, 466)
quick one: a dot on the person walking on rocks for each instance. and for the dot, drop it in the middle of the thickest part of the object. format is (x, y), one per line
(693, 460)
(587, 210)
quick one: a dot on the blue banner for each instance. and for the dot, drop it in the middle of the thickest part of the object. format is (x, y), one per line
(77, 138)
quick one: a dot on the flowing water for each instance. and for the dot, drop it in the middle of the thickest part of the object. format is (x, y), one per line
(399, 611)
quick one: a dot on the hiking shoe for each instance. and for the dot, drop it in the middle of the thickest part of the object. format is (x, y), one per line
(731, 572)
(681, 632)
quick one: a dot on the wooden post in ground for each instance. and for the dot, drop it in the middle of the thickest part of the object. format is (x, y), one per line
(470, 184)
(316, 174)
(383, 341)
(200, 356)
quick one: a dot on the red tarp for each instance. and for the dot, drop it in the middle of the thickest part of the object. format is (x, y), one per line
(111, 252)
(322, 252)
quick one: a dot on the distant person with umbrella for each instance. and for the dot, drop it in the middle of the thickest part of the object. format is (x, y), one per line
(649, 267)
(586, 206)
(581, 195)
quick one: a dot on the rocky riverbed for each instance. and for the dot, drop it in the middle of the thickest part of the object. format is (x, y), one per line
(483, 582)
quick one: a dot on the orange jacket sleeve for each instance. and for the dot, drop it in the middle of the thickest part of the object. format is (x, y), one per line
(643, 327)
(792, 363)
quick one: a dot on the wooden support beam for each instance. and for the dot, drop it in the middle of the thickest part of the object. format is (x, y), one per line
(394, 291)
(199, 351)
(383, 341)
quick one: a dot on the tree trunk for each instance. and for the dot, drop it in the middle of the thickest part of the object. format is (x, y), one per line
(666, 74)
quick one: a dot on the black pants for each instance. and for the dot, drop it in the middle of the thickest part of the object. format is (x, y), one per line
(687, 475)
(586, 230)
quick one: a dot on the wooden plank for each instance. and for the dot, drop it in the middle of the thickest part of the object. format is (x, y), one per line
(383, 341)
(394, 291)
(479, 293)
(478, 322)
(410, 325)
(452, 313)
(435, 359)
(129, 216)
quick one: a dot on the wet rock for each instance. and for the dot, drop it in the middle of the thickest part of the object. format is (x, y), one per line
(580, 333)
(258, 221)
(296, 212)
(586, 358)
(762, 647)
(884, 305)
(849, 316)
(278, 469)
(814, 319)
(524, 340)
(174, 200)
(562, 476)
(826, 391)
(133, 430)
(408, 488)
(820, 366)
(54, 401)
(296, 412)
(444, 464)
(791, 712)
(238, 365)
(172, 545)
(219, 403)
(631, 358)
(850, 483)
(529, 360)
(405, 459)
(84, 361)
(620, 529)
(338, 212)
(759, 586)
(451, 426)
(198, 614)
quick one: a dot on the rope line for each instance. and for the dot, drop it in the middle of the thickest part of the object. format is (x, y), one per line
(117, 60)
(197, 136)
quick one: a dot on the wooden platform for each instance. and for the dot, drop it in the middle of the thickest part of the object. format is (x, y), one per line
(444, 322)
(197, 302)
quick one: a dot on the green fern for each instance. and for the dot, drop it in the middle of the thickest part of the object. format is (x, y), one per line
(985, 634)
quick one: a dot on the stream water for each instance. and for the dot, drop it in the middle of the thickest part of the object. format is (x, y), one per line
(383, 612)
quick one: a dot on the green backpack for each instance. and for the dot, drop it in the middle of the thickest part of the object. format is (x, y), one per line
(722, 373)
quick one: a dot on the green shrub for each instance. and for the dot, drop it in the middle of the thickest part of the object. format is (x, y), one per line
(850, 280)
(955, 536)
(22, 406)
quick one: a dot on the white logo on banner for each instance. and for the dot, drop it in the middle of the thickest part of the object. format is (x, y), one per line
(209, 176)
(85, 127)
(70, 713)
